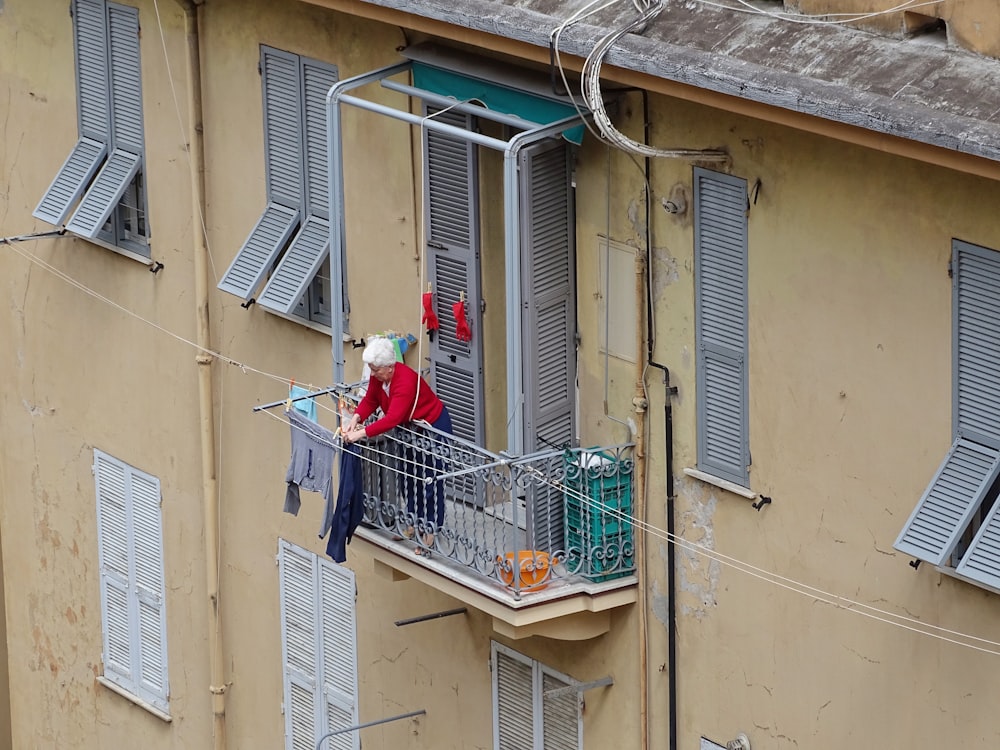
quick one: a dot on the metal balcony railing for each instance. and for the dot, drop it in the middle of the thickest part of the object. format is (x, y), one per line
(521, 521)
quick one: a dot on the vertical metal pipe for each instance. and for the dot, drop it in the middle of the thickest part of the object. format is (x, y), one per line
(640, 405)
(210, 497)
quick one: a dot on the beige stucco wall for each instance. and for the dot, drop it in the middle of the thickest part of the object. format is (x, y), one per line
(850, 415)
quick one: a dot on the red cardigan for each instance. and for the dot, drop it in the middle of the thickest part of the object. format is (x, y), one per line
(397, 404)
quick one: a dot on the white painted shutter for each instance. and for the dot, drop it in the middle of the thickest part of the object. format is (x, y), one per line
(948, 504)
(149, 587)
(721, 325)
(298, 645)
(113, 540)
(297, 268)
(104, 194)
(451, 215)
(513, 701)
(339, 664)
(561, 718)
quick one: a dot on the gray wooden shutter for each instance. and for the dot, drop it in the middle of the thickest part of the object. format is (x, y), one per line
(560, 714)
(317, 79)
(451, 215)
(297, 267)
(126, 78)
(982, 560)
(976, 358)
(104, 194)
(258, 253)
(89, 37)
(339, 662)
(513, 701)
(948, 504)
(113, 541)
(721, 325)
(298, 645)
(150, 588)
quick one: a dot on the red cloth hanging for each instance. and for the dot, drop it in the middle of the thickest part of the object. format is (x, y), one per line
(429, 317)
(462, 332)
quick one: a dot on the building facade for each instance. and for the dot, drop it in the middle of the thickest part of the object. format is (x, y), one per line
(717, 330)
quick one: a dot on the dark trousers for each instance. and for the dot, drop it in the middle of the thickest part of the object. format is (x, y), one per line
(425, 500)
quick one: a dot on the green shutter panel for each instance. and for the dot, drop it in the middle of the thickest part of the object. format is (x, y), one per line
(92, 77)
(296, 270)
(113, 557)
(126, 78)
(339, 663)
(71, 180)
(513, 701)
(561, 719)
(147, 535)
(104, 194)
(317, 79)
(451, 215)
(976, 316)
(721, 325)
(282, 126)
(947, 506)
(298, 645)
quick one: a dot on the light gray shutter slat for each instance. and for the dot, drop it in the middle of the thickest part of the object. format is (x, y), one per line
(126, 78)
(297, 268)
(976, 358)
(104, 194)
(317, 79)
(514, 720)
(949, 502)
(147, 534)
(721, 327)
(267, 239)
(982, 560)
(282, 126)
(339, 654)
(71, 180)
(89, 36)
(299, 644)
(113, 557)
(451, 215)
(560, 715)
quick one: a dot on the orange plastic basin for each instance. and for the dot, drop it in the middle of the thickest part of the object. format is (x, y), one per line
(533, 567)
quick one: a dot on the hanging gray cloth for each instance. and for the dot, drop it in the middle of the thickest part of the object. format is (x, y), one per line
(311, 467)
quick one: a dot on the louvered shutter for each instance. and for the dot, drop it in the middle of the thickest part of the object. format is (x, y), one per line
(561, 719)
(104, 194)
(721, 327)
(260, 250)
(317, 79)
(113, 540)
(89, 37)
(513, 701)
(976, 320)
(451, 215)
(126, 78)
(149, 587)
(299, 645)
(298, 266)
(948, 504)
(982, 560)
(282, 126)
(339, 664)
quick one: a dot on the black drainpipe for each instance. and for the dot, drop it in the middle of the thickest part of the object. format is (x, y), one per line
(668, 430)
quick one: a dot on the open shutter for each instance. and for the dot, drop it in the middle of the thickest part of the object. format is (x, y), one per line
(451, 179)
(126, 78)
(113, 541)
(89, 37)
(104, 194)
(298, 645)
(339, 655)
(282, 126)
(721, 328)
(258, 253)
(547, 246)
(982, 560)
(561, 720)
(149, 586)
(317, 79)
(513, 701)
(297, 268)
(948, 504)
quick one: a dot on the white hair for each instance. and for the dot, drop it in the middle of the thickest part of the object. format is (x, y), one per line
(379, 352)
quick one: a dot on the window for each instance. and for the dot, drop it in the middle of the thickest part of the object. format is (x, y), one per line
(532, 710)
(103, 175)
(289, 246)
(720, 252)
(319, 652)
(956, 524)
(130, 551)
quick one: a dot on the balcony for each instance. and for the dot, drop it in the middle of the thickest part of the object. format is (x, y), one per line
(543, 542)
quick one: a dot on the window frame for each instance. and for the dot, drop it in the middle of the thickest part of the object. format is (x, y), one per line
(132, 583)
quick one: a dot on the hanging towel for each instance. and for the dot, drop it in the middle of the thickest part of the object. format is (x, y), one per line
(305, 405)
(350, 504)
(311, 467)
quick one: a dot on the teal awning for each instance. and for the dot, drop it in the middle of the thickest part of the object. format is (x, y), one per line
(509, 101)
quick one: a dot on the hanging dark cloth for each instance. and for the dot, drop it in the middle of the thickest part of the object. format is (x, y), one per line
(350, 504)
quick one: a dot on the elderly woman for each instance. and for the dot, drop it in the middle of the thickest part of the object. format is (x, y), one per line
(403, 396)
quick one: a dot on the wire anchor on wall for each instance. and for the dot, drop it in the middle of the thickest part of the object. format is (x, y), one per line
(764, 500)
(432, 616)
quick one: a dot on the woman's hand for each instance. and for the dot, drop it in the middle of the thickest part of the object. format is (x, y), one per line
(354, 435)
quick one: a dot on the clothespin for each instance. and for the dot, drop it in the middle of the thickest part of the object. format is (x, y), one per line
(288, 401)
(461, 295)
(430, 287)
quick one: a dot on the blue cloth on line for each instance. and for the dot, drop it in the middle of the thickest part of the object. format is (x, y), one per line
(350, 504)
(305, 405)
